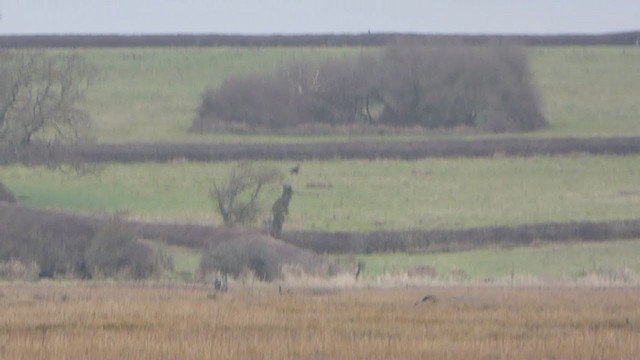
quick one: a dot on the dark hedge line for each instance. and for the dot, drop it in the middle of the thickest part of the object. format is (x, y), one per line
(461, 239)
(164, 152)
(17, 224)
(366, 39)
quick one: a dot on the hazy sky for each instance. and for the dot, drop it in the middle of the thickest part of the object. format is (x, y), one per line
(317, 16)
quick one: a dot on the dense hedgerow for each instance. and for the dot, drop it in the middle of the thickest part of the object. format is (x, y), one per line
(460, 239)
(488, 88)
(355, 149)
(61, 245)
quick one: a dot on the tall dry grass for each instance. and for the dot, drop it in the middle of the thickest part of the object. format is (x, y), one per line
(80, 321)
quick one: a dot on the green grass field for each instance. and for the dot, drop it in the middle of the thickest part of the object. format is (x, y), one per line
(545, 262)
(363, 195)
(152, 94)
(589, 91)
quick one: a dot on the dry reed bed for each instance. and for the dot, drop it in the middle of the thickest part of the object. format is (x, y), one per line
(76, 321)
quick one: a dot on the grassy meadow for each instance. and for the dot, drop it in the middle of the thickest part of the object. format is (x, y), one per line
(582, 262)
(357, 195)
(103, 321)
(147, 95)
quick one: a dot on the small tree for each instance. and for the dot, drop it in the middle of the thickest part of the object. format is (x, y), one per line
(237, 199)
(40, 97)
(40, 102)
(280, 210)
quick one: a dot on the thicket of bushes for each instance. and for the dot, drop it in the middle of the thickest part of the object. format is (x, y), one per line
(54, 244)
(482, 87)
(115, 252)
(68, 246)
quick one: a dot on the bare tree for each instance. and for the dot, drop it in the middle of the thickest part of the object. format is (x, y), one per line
(237, 199)
(40, 99)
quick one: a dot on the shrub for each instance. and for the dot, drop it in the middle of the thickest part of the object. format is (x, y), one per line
(232, 257)
(58, 247)
(237, 200)
(115, 251)
(55, 242)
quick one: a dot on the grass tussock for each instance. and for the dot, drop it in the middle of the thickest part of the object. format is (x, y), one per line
(120, 321)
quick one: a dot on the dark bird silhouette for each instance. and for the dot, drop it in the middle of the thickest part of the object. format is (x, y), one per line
(425, 299)
(295, 170)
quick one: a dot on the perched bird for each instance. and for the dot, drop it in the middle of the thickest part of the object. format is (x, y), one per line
(425, 299)
(295, 170)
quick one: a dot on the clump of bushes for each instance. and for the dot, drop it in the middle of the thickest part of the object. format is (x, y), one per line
(57, 247)
(60, 245)
(483, 87)
(115, 252)
(235, 256)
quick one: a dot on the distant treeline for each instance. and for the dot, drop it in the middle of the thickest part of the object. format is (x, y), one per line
(416, 149)
(365, 39)
(19, 224)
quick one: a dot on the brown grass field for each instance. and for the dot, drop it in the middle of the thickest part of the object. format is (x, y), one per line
(146, 321)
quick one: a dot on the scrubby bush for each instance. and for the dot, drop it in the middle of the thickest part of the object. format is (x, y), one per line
(232, 257)
(55, 242)
(483, 87)
(115, 251)
(238, 199)
(57, 247)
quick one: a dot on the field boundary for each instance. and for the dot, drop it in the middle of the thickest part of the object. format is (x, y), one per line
(362, 39)
(202, 236)
(406, 150)
(439, 240)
